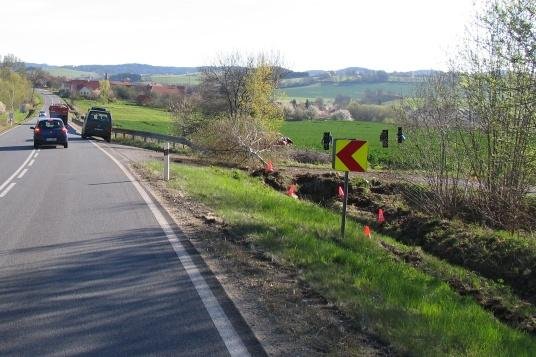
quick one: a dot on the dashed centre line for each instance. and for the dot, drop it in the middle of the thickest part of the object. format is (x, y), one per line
(17, 171)
(22, 173)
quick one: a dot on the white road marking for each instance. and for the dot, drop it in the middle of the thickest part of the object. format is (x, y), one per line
(17, 171)
(7, 189)
(232, 341)
(36, 155)
(22, 173)
(8, 130)
(31, 162)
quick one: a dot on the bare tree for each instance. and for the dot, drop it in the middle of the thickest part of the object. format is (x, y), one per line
(235, 117)
(226, 80)
(474, 128)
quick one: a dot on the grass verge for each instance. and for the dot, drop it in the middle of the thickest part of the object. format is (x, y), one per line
(413, 311)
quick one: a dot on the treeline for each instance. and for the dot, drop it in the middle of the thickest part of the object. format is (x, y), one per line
(351, 110)
(15, 87)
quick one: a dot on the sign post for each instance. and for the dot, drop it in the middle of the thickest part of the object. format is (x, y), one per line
(349, 155)
(166, 162)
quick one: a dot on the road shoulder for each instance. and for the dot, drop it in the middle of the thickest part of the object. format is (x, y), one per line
(286, 316)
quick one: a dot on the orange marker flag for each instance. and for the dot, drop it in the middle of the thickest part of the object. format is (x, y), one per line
(269, 168)
(291, 191)
(380, 218)
(367, 232)
(341, 193)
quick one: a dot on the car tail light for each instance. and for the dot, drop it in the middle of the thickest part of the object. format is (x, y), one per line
(37, 130)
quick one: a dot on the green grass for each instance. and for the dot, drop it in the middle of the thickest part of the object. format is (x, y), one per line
(414, 312)
(307, 134)
(131, 116)
(177, 79)
(70, 73)
(356, 90)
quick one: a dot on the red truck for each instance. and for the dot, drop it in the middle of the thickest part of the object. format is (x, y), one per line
(59, 111)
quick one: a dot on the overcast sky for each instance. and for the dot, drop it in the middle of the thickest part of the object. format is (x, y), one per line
(308, 34)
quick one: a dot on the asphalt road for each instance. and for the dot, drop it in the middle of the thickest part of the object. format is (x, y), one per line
(89, 266)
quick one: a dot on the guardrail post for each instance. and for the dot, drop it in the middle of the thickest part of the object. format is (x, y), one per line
(166, 162)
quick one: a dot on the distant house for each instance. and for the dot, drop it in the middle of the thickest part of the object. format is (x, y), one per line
(84, 88)
(159, 89)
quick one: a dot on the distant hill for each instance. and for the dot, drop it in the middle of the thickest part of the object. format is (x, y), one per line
(85, 71)
(190, 75)
(136, 68)
(64, 72)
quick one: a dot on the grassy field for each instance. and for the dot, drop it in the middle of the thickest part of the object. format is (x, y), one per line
(305, 134)
(70, 73)
(182, 79)
(308, 134)
(131, 116)
(415, 312)
(356, 90)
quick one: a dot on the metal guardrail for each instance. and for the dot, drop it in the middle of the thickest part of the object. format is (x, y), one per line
(147, 136)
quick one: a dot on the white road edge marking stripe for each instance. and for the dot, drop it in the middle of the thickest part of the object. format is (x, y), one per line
(31, 162)
(232, 341)
(36, 155)
(17, 171)
(22, 173)
(7, 189)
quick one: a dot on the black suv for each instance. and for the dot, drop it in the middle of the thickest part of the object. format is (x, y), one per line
(97, 122)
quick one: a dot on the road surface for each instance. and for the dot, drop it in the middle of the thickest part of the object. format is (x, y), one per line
(89, 264)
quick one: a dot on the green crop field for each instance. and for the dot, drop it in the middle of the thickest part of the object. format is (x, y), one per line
(308, 135)
(131, 116)
(70, 73)
(356, 90)
(183, 79)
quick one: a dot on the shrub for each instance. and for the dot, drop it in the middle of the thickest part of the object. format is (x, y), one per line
(341, 114)
(299, 112)
(371, 112)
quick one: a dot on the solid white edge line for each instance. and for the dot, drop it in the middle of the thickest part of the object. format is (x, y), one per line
(8, 130)
(36, 155)
(232, 341)
(7, 189)
(17, 171)
(31, 162)
(22, 173)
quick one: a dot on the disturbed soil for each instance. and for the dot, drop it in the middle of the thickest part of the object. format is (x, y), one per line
(486, 255)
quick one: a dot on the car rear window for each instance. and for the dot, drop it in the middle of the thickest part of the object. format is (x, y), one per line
(50, 124)
(101, 117)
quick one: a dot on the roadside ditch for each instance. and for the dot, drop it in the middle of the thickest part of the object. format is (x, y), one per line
(500, 271)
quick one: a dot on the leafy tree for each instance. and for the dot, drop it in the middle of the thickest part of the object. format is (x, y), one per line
(15, 89)
(106, 93)
(341, 101)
